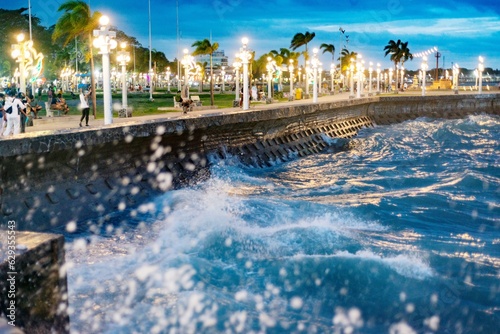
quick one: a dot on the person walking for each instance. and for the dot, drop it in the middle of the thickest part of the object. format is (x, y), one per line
(84, 104)
(14, 116)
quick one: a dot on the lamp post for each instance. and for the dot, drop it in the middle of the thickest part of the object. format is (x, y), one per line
(30, 61)
(359, 70)
(270, 71)
(332, 74)
(390, 78)
(402, 77)
(307, 70)
(105, 42)
(223, 75)
(168, 73)
(456, 71)
(245, 56)
(291, 69)
(188, 63)
(480, 69)
(314, 64)
(370, 71)
(123, 58)
(237, 66)
(351, 77)
(378, 78)
(424, 67)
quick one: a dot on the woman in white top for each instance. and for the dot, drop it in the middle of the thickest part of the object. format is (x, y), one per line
(14, 117)
(84, 104)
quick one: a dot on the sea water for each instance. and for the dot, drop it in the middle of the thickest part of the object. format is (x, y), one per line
(394, 231)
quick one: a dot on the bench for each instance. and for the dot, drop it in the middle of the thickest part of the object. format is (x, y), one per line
(49, 112)
(196, 100)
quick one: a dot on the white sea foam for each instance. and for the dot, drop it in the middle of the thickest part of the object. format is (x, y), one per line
(406, 265)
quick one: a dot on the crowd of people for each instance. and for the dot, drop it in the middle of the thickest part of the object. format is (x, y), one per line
(17, 109)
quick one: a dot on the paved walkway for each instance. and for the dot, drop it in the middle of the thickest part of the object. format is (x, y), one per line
(71, 123)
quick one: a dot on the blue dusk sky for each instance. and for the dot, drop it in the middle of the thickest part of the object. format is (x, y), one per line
(461, 30)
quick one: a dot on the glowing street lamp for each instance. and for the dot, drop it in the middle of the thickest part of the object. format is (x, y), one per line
(168, 73)
(237, 66)
(223, 75)
(189, 65)
(314, 64)
(291, 69)
(480, 69)
(456, 70)
(424, 67)
(29, 61)
(332, 74)
(402, 77)
(270, 71)
(351, 69)
(390, 78)
(105, 42)
(370, 71)
(378, 78)
(123, 58)
(359, 69)
(245, 57)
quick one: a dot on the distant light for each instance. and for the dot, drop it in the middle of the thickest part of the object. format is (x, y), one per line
(20, 37)
(244, 40)
(104, 20)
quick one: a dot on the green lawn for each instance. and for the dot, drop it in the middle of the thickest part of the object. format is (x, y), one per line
(141, 105)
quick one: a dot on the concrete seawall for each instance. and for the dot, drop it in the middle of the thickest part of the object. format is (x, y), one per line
(51, 179)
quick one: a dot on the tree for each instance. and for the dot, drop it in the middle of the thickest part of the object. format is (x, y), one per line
(328, 48)
(78, 21)
(399, 52)
(345, 58)
(301, 39)
(14, 22)
(205, 47)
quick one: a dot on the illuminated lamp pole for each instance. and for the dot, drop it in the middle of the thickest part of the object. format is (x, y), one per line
(187, 62)
(456, 70)
(351, 68)
(270, 71)
(391, 73)
(168, 73)
(237, 66)
(223, 75)
(402, 77)
(30, 61)
(424, 67)
(291, 68)
(245, 56)
(370, 71)
(123, 58)
(105, 42)
(359, 71)
(378, 78)
(332, 74)
(480, 69)
(314, 64)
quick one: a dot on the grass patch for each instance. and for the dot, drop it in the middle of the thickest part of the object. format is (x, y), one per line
(142, 106)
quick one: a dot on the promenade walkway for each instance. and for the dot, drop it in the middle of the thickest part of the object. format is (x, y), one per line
(71, 122)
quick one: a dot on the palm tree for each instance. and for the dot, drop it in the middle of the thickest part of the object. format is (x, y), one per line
(328, 48)
(345, 58)
(302, 39)
(77, 20)
(394, 49)
(205, 47)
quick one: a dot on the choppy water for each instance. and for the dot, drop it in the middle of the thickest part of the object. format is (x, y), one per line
(398, 231)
